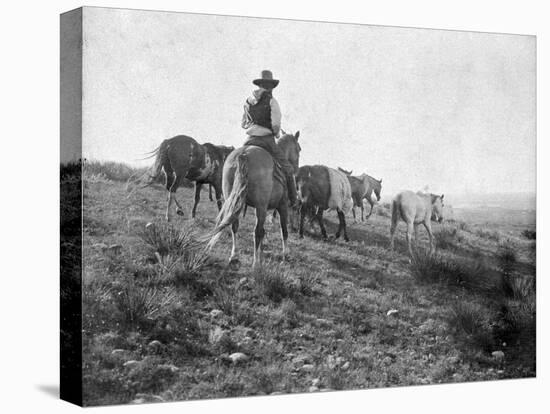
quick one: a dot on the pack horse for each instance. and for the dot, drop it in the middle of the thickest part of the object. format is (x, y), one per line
(322, 188)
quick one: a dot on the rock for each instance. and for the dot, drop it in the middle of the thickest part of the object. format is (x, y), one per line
(238, 357)
(323, 322)
(453, 360)
(113, 249)
(150, 226)
(155, 344)
(131, 364)
(149, 398)
(387, 361)
(276, 393)
(101, 246)
(216, 312)
(118, 352)
(346, 365)
(392, 312)
(243, 281)
(139, 401)
(316, 382)
(498, 355)
(307, 367)
(301, 360)
(313, 389)
(169, 367)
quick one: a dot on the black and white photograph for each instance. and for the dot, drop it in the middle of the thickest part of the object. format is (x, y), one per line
(274, 206)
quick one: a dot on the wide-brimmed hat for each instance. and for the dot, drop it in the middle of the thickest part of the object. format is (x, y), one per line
(266, 79)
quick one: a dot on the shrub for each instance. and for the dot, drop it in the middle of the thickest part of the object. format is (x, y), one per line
(447, 237)
(506, 255)
(470, 274)
(177, 250)
(274, 282)
(138, 303)
(109, 170)
(488, 234)
(286, 315)
(474, 323)
(529, 234)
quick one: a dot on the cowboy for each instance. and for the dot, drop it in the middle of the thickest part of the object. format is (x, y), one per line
(262, 121)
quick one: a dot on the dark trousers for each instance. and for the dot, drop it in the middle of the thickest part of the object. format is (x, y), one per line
(267, 142)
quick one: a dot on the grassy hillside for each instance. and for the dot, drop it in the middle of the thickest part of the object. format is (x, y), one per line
(162, 321)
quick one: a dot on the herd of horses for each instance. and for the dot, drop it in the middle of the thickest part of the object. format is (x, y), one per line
(248, 176)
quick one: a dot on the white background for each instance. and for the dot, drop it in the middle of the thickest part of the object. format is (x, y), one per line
(29, 210)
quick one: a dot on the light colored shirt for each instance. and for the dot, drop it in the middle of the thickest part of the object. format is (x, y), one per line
(258, 130)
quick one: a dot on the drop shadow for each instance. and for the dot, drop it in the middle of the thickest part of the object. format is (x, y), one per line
(49, 389)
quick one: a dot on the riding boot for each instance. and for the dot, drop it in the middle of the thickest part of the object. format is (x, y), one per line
(291, 187)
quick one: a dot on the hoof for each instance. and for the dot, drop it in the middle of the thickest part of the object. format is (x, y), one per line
(234, 263)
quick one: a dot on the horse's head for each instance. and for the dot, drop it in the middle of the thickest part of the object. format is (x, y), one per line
(378, 188)
(437, 207)
(290, 147)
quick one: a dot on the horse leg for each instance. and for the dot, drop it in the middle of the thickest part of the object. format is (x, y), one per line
(371, 206)
(218, 191)
(169, 182)
(173, 189)
(302, 219)
(210, 192)
(416, 233)
(319, 217)
(283, 220)
(428, 227)
(342, 225)
(259, 234)
(354, 217)
(234, 258)
(198, 187)
(410, 228)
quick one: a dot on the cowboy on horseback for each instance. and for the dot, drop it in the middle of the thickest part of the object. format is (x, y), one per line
(262, 122)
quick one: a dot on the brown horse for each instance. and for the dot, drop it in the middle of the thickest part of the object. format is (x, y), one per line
(248, 180)
(415, 209)
(321, 188)
(362, 187)
(181, 157)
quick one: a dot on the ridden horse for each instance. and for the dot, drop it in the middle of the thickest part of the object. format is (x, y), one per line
(415, 209)
(362, 187)
(181, 157)
(248, 180)
(322, 188)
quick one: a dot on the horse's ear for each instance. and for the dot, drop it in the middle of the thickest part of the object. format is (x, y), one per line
(380, 181)
(297, 135)
(442, 195)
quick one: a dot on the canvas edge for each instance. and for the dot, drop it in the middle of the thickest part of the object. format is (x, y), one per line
(71, 389)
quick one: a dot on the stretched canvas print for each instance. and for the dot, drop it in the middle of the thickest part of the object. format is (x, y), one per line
(255, 206)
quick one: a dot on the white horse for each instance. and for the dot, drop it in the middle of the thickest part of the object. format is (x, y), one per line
(415, 209)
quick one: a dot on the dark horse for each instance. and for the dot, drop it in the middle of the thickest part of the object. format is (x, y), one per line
(314, 183)
(181, 157)
(248, 180)
(362, 187)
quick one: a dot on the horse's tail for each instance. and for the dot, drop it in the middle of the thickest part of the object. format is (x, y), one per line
(150, 176)
(235, 202)
(395, 211)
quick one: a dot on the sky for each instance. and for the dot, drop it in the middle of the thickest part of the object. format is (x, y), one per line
(453, 111)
